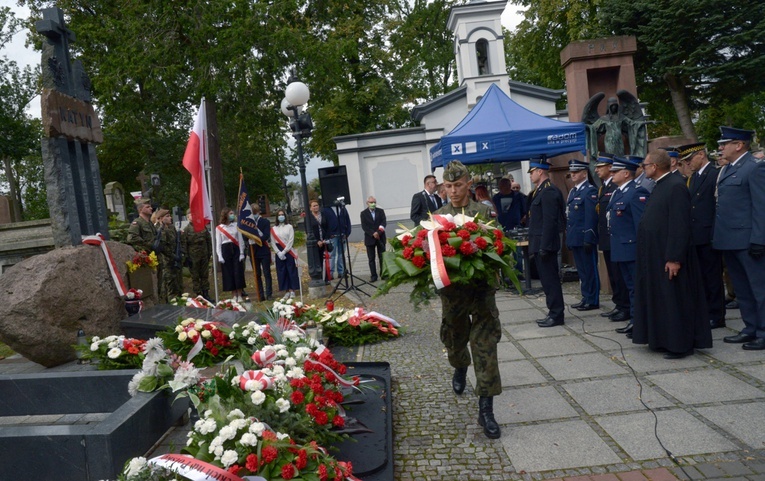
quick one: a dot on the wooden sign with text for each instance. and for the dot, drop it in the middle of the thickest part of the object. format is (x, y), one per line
(69, 117)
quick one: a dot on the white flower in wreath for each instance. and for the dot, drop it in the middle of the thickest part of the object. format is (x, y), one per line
(296, 373)
(206, 334)
(133, 384)
(302, 353)
(292, 335)
(94, 346)
(235, 414)
(257, 428)
(229, 457)
(205, 426)
(290, 362)
(257, 398)
(282, 436)
(282, 353)
(238, 424)
(248, 439)
(283, 405)
(135, 466)
(114, 353)
(252, 340)
(227, 432)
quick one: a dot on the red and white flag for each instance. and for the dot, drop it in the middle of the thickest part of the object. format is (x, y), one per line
(194, 161)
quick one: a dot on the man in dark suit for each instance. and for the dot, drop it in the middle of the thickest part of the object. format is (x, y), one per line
(582, 234)
(547, 220)
(426, 201)
(739, 232)
(624, 212)
(339, 227)
(668, 314)
(702, 185)
(619, 294)
(262, 257)
(373, 224)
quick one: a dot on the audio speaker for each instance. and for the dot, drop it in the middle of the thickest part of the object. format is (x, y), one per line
(334, 184)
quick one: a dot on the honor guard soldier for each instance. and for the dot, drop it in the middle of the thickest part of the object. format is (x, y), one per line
(624, 212)
(141, 233)
(470, 314)
(582, 234)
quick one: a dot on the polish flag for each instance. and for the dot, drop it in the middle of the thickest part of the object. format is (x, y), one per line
(194, 162)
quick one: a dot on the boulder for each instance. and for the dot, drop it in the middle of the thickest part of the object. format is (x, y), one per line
(46, 299)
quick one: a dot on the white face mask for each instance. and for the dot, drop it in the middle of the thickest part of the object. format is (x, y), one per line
(281, 218)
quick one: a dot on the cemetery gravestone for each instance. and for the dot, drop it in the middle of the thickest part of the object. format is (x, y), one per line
(115, 199)
(72, 175)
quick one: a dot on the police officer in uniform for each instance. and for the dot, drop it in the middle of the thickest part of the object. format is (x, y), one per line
(624, 212)
(547, 219)
(740, 232)
(619, 294)
(141, 233)
(197, 248)
(582, 234)
(470, 313)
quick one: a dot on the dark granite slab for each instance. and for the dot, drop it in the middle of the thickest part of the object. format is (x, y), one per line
(148, 322)
(94, 451)
(370, 453)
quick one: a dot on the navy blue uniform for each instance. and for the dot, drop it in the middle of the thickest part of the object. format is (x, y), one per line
(582, 237)
(624, 213)
(620, 295)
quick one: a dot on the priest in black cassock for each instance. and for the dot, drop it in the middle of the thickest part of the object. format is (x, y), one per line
(670, 308)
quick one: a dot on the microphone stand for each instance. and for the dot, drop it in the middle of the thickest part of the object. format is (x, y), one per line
(347, 280)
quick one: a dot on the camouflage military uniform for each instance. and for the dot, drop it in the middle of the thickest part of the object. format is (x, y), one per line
(197, 248)
(460, 302)
(141, 235)
(170, 266)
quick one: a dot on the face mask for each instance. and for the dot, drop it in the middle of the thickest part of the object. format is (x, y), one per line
(372, 205)
(281, 218)
(231, 217)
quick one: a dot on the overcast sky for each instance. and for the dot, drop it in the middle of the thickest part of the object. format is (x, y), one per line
(23, 56)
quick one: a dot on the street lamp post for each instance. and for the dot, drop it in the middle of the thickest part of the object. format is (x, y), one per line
(295, 97)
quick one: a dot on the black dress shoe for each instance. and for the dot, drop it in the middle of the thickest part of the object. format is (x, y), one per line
(629, 335)
(610, 313)
(625, 330)
(373, 279)
(546, 319)
(550, 322)
(620, 316)
(716, 324)
(739, 338)
(756, 345)
(731, 304)
(588, 307)
(578, 304)
(677, 355)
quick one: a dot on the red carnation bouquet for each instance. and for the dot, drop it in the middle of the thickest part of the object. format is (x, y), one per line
(448, 250)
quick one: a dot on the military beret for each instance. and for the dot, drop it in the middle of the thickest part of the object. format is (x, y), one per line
(141, 201)
(162, 212)
(454, 171)
(686, 151)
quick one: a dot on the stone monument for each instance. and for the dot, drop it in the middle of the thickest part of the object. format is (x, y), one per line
(115, 199)
(72, 129)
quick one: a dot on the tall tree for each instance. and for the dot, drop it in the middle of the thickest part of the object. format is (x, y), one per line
(699, 52)
(19, 133)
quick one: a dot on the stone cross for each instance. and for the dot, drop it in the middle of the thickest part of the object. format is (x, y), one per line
(72, 128)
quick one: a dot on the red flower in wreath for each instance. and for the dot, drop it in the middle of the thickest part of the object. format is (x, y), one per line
(251, 463)
(418, 261)
(422, 234)
(498, 234)
(405, 240)
(408, 253)
(467, 248)
(288, 471)
(499, 246)
(464, 234)
(448, 251)
(471, 226)
(481, 243)
(443, 237)
(269, 454)
(417, 244)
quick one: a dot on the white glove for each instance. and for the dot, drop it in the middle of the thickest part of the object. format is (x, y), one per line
(241, 257)
(222, 261)
(281, 255)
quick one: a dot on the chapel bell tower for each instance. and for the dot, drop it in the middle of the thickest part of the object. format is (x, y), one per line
(479, 47)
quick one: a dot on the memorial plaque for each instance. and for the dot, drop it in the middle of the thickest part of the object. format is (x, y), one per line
(147, 323)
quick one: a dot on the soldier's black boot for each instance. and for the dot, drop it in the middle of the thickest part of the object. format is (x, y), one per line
(486, 417)
(459, 380)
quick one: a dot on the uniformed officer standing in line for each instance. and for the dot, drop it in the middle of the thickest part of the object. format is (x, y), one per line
(470, 313)
(170, 263)
(197, 248)
(702, 185)
(619, 294)
(141, 233)
(582, 234)
(547, 219)
(740, 232)
(674, 162)
(624, 212)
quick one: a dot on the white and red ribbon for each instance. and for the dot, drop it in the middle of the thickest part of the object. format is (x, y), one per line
(264, 356)
(437, 266)
(247, 376)
(196, 470)
(98, 240)
(327, 267)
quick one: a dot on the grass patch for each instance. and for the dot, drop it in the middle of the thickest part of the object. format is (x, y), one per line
(5, 351)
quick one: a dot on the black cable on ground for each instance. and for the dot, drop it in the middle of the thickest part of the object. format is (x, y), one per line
(640, 394)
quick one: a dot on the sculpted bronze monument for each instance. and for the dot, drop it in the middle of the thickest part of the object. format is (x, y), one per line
(623, 119)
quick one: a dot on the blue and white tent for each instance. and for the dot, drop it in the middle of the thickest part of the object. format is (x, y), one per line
(500, 130)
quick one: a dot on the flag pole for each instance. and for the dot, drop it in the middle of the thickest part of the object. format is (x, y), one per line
(208, 168)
